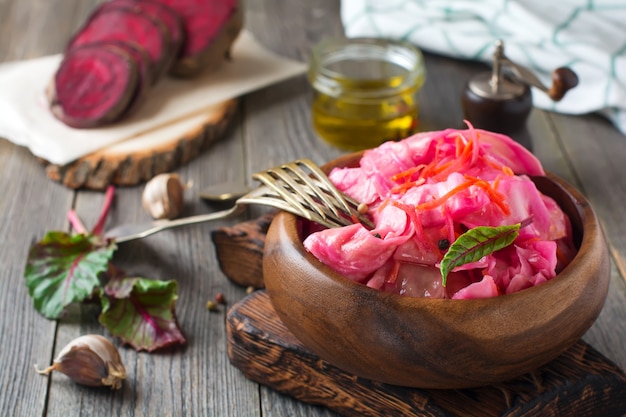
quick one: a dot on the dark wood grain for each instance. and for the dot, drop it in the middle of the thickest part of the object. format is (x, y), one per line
(580, 382)
(239, 250)
(272, 126)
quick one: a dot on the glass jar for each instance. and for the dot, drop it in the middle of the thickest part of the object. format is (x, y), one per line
(365, 91)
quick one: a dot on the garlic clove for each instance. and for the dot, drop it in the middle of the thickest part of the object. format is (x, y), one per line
(163, 196)
(90, 360)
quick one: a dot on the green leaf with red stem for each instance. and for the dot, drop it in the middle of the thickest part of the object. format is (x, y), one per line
(141, 312)
(477, 242)
(63, 269)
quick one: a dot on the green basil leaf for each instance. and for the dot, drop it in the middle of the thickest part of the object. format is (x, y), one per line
(472, 245)
(62, 269)
(141, 312)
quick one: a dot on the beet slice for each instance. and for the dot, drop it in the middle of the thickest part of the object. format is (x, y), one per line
(128, 24)
(93, 86)
(211, 26)
(142, 60)
(172, 20)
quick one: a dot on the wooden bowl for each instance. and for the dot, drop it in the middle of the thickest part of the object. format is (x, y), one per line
(437, 343)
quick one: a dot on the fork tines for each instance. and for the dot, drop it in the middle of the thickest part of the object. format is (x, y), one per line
(304, 186)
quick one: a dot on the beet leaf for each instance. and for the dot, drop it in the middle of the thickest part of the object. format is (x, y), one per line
(472, 245)
(62, 269)
(141, 312)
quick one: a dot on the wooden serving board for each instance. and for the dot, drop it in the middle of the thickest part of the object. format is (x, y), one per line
(138, 159)
(581, 382)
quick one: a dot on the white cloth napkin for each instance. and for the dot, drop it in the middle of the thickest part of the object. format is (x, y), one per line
(542, 35)
(26, 120)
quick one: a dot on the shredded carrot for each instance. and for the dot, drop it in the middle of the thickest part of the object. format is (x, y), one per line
(439, 201)
(383, 205)
(495, 196)
(496, 182)
(439, 168)
(457, 165)
(476, 145)
(496, 165)
(466, 153)
(449, 225)
(408, 173)
(393, 275)
(403, 188)
(491, 163)
(440, 143)
(410, 211)
(499, 199)
(415, 220)
(458, 143)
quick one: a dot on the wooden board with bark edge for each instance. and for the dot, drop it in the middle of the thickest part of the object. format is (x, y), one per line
(580, 382)
(138, 159)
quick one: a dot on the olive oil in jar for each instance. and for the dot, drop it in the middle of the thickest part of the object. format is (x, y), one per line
(364, 91)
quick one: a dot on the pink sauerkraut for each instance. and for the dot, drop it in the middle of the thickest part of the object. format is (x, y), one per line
(425, 191)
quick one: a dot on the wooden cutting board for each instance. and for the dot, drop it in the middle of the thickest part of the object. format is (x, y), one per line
(137, 160)
(581, 382)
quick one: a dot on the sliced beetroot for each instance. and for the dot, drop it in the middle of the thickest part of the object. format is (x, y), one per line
(165, 14)
(211, 26)
(142, 60)
(93, 86)
(110, 22)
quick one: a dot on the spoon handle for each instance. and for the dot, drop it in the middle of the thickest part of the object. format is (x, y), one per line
(127, 232)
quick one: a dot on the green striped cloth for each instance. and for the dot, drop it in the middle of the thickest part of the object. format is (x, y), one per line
(589, 36)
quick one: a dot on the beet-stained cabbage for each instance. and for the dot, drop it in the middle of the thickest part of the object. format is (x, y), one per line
(425, 191)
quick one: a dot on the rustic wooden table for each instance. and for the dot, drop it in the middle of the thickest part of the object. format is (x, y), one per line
(272, 126)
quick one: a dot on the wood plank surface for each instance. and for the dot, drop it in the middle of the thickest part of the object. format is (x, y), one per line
(30, 205)
(272, 126)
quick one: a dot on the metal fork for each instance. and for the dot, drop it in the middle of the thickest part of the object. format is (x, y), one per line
(299, 187)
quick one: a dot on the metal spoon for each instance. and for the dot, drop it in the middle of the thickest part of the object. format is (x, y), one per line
(221, 193)
(306, 193)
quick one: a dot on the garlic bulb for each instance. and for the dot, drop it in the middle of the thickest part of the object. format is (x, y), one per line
(90, 360)
(163, 196)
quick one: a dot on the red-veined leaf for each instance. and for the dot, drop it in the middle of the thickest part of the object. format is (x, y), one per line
(62, 269)
(141, 312)
(472, 245)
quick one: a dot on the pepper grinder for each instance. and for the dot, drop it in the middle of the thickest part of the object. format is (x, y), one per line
(501, 100)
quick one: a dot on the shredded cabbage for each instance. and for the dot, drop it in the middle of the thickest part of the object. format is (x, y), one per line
(426, 190)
